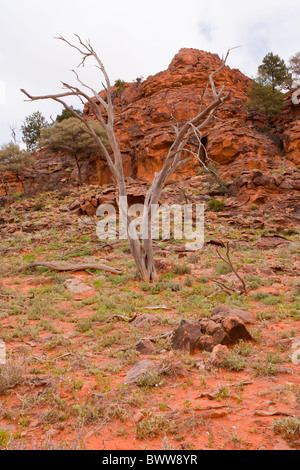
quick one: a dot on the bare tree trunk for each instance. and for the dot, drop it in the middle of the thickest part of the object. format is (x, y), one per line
(5, 186)
(20, 181)
(142, 250)
(79, 170)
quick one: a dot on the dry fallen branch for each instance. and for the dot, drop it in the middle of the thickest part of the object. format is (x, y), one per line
(74, 267)
(227, 260)
(123, 318)
(272, 413)
(154, 339)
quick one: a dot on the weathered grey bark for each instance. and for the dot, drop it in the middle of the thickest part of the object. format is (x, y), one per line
(142, 250)
(72, 267)
(78, 169)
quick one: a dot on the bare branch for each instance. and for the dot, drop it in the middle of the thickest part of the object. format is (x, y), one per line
(211, 77)
(229, 263)
(72, 267)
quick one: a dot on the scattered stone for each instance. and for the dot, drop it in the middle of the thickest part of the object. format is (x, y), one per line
(223, 311)
(145, 347)
(74, 205)
(287, 397)
(174, 369)
(204, 343)
(268, 242)
(218, 357)
(9, 428)
(33, 424)
(186, 336)
(162, 265)
(145, 320)
(52, 432)
(138, 417)
(206, 334)
(235, 329)
(281, 445)
(76, 287)
(138, 370)
(221, 337)
(211, 328)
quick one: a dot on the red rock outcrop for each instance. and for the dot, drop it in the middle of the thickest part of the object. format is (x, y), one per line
(288, 125)
(237, 140)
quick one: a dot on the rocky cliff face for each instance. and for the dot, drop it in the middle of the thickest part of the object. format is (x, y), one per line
(238, 141)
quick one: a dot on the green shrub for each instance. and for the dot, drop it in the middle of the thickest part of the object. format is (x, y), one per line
(234, 362)
(182, 269)
(288, 427)
(11, 374)
(216, 205)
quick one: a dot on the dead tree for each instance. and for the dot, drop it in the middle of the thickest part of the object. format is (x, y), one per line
(178, 154)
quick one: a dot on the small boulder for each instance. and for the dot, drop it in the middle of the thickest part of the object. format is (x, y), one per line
(76, 287)
(224, 311)
(218, 356)
(220, 337)
(145, 347)
(138, 417)
(211, 328)
(186, 336)
(138, 370)
(235, 330)
(206, 334)
(204, 343)
(145, 320)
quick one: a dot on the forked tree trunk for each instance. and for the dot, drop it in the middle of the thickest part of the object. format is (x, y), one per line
(144, 259)
(79, 170)
(142, 250)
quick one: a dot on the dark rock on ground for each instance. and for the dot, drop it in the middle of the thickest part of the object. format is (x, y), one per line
(208, 333)
(223, 311)
(145, 347)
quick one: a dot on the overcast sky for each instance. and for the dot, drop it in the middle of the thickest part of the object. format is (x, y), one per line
(133, 38)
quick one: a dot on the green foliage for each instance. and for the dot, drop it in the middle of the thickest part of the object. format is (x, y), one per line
(154, 426)
(294, 65)
(266, 90)
(182, 269)
(31, 129)
(288, 427)
(70, 137)
(4, 438)
(66, 114)
(264, 99)
(11, 374)
(274, 73)
(13, 159)
(216, 205)
(139, 80)
(120, 87)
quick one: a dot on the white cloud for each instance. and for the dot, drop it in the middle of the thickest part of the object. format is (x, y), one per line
(133, 38)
